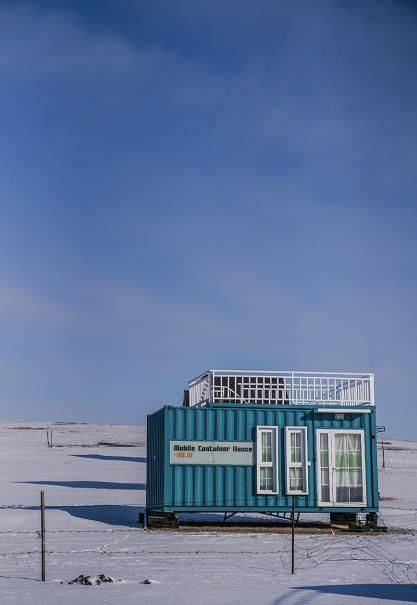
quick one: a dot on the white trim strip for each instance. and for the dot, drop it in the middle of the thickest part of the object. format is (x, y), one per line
(335, 410)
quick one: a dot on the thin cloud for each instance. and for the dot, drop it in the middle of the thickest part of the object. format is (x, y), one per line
(21, 303)
(35, 44)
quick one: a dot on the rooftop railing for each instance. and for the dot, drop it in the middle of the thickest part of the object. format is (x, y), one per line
(282, 387)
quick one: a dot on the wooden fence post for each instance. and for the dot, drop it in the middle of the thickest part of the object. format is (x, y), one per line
(43, 561)
(293, 537)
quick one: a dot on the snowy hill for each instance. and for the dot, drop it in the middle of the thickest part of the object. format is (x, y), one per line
(94, 482)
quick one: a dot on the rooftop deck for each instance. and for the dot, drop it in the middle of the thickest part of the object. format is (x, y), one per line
(282, 388)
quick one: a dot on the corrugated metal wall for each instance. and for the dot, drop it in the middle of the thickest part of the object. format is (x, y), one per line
(155, 459)
(207, 487)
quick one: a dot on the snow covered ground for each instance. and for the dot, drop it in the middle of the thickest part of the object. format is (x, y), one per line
(94, 483)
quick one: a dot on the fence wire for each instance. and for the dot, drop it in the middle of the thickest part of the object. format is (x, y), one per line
(311, 552)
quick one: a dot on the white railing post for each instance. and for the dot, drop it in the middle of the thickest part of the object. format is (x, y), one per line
(372, 389)
(292, 388)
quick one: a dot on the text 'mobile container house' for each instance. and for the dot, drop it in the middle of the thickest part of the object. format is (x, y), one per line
(248, 441)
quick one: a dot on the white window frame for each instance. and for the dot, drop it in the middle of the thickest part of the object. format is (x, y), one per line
(303, 464)
(332, 468)
(273, 464)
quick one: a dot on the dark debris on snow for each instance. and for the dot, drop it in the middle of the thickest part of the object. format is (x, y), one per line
(92, 580)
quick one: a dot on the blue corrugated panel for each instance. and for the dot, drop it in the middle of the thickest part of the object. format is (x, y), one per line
(155, 475)
(233, 488)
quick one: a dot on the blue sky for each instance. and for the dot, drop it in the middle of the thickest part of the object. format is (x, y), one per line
(186, 185)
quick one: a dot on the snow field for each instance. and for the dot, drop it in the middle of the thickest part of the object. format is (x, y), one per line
(93, 496)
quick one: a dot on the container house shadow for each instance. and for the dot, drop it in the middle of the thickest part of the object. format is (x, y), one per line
(110, 514)
(104, 457)
(126, 515)
(390, 592)
(91, 484)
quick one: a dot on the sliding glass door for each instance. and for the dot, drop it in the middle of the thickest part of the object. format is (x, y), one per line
(341, 467)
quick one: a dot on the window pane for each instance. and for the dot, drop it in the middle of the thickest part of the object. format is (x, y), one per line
(295, 446)
(355, 478)
(266, 446)
(266, 455)
(266, 478)
(324, 457)
(325, 493)
(324, 470)
(296, 479)
(355, 460)
(296, 439)
(356, 494)
(266, 438)
(296, 455)
(342, 494)
(342, 459)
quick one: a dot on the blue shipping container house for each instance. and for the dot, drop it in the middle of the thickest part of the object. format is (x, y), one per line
(247, 441)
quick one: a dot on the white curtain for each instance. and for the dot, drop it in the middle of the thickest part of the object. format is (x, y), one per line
(348, 467)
